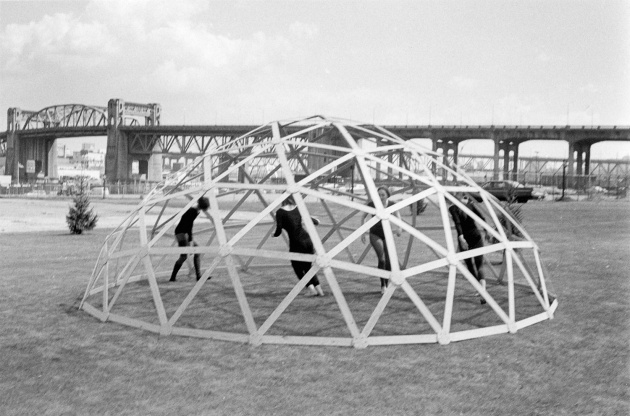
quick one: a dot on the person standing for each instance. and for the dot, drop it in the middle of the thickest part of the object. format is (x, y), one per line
(288, 218)
(184, 236)
(469, 237)
(377, 235)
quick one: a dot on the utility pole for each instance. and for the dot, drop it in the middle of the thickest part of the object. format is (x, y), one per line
(537, 171)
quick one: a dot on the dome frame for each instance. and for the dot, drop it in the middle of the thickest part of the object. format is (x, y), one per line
(300, 157)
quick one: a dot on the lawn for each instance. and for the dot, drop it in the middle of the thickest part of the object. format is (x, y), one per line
(55, 359)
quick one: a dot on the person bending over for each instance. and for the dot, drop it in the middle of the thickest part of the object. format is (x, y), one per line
(184, 236)
(377, 235)
(288, 218)
(469, 237)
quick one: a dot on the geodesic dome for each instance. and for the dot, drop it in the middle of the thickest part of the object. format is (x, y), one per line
(248, 291)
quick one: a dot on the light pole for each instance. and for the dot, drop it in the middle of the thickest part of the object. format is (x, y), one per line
(537, 172)
(564, 178)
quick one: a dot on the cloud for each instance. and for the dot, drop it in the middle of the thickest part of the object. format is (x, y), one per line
(463, 83)
(514, 109)
(304, 30)
(143, 15)
(162, 46)
(589, 88)
(56, 39)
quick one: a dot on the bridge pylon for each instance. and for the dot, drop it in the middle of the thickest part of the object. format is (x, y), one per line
(16, 118)
(118, 162)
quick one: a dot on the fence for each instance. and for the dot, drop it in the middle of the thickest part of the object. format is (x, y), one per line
(551, 183)
(614, 184)
(114, 190)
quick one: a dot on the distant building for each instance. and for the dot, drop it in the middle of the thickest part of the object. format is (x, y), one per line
(89, 159)
(88, 147)
(63, 152)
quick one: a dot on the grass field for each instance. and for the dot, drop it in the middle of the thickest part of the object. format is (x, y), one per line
(55, 359)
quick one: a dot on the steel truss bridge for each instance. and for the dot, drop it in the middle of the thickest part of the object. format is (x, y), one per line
(134, 133)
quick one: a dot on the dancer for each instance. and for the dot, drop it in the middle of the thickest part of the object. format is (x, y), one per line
(184, 236)
(377, 235)
(288, 218)
(469, 236)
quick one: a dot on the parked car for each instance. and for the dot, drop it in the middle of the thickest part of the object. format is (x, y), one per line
(539, 193)
(508, 191)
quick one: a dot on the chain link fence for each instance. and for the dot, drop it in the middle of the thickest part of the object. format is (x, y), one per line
(546, 186)
(550, 185)
(64, 190)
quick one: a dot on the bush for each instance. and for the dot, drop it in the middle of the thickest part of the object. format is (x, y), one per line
(81, 217)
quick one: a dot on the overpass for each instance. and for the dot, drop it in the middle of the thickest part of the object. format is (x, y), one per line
(134, 133)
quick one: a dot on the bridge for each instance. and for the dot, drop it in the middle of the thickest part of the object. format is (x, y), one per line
(134, 133)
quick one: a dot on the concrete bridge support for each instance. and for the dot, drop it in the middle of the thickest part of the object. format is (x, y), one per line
(495, 158)
(449, 149)
(509, 148)
(14, 116)
(12, 163)
(51, 166)
(579, 158)
(154, 173)
(20, 150)
(117, 165)
(148, 165)
(118, 161)
(42, 152)
(579, 163)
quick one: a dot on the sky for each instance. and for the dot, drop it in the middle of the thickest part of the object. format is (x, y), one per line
(474, 62)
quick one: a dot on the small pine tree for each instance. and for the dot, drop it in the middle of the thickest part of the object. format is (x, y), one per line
(81, 217)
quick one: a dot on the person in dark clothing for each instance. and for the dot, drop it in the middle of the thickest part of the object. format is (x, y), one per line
(469, 237)
(377, 235)
(288, 218)
(184, 236)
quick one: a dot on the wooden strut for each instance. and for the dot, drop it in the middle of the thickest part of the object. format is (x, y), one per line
(228, 254)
